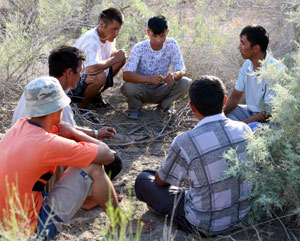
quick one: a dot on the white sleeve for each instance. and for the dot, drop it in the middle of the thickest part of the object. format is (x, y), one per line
(176, 57)
(19, 111)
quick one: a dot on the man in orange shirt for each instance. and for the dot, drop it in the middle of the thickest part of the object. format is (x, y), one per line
(30, 152)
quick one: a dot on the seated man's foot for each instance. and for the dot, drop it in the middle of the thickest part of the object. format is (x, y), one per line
(99, 102)
(169, 110)
(133, 114)
(87, 114)
(90, 204)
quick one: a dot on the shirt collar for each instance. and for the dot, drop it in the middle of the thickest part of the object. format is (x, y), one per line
(211, 118)
(250, 67)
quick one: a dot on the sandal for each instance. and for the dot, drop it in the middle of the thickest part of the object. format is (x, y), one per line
(133, 114)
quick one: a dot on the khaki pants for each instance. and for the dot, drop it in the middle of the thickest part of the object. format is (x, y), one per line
(164, 94)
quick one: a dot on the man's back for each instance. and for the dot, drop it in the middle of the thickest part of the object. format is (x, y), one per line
(212, 204)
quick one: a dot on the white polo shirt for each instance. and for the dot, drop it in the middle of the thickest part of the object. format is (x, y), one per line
(257, 92)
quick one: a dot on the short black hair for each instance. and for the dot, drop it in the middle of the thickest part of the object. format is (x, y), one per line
(207, 95)
(110, 14)
(158, 24)
(256, 35)
(62, 58)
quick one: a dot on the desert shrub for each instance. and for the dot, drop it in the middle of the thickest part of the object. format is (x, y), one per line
(273, 165)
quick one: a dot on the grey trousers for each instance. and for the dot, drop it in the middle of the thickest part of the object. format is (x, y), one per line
(164, 94)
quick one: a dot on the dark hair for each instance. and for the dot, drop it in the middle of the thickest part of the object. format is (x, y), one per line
(62, 58)
(207, 95)
(256, 35)
(158, 24)
(110, 14)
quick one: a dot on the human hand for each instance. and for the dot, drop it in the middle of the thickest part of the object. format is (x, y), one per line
(169, 78)
(119, 55)
(66, 130)
(262, 116)
(156, 79)
(106, 132)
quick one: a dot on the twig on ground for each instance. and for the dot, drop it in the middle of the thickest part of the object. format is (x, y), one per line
(283, 226)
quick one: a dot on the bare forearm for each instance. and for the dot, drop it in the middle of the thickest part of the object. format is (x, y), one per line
(135, 78)
(85, 135)
(160, 182)
(178, 74)
(101, 66)
(89, 132)
(233, 100)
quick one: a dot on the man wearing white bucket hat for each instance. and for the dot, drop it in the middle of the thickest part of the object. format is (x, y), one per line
(32, 149)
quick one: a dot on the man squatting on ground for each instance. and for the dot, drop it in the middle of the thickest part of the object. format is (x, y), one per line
(211, 205)
(65, 64)
(253, 46)
(103, 60)
(42, 142)
(146, 74)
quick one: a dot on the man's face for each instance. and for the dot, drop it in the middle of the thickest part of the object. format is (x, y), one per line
(74, 77)
(109, 31)
(245, 48)
(157, 40)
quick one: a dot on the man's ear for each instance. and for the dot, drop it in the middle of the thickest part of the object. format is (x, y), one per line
(257, 48)
(193, 108)
(148, 32)
(102, 24)
(225, 100)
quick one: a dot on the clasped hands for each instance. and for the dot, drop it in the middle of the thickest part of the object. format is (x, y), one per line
(158, 79)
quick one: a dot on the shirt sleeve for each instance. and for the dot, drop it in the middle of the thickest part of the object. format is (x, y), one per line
(174, 167)
(134, 59)
(64, 152)
(176, 57)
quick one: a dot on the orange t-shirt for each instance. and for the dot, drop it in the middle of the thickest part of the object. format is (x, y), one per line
(27, 152)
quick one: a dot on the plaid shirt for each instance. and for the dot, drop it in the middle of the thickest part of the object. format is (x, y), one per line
(212, 204)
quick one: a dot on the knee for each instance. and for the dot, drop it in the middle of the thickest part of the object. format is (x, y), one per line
(128, 89)
(143, 178)
(95, 171)
(100, 78)
(184, 83)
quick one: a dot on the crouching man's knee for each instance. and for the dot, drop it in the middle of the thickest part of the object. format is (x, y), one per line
(129, 89)
(95, 171)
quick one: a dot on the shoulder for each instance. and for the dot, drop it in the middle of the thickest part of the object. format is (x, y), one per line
(171, 42)
(246, 64)
(237, 127)
(141, 45)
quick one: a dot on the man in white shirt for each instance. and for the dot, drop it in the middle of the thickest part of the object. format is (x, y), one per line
(254, 41)
(103, 60)
(146, 74)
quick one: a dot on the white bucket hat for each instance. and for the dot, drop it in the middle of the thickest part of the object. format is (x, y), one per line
(44, 96)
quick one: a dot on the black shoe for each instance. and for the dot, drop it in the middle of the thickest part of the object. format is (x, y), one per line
(99, 102)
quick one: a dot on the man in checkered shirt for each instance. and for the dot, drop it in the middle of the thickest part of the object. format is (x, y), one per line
(213, 204)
